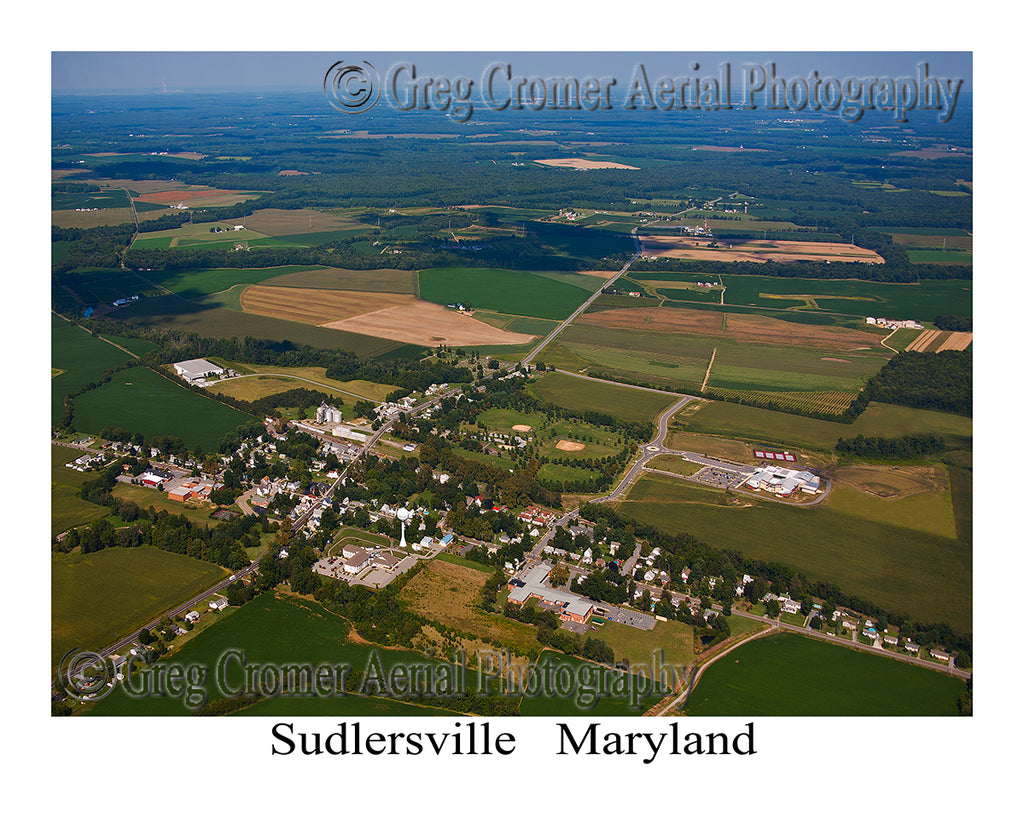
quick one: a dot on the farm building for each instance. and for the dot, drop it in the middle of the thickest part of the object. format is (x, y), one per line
(197, 369)
(569, 606)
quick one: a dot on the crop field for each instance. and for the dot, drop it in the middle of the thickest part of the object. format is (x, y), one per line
(98, 596)
(279, 631)
(139, 400)
(835, 402)
(581, 393)
(905, 498)
(778, 428)
(790, 675)
(194, 283)
(508, 291)
(334, 278)
(935, 341)
(197, 196)
(81, 357)
(66, 508)
(928, 576)
(923, 300)
(316, 306)
(757, 250)
(427, 324)
(219, 322)
(279, 222)
(940, 256)
(98, 218)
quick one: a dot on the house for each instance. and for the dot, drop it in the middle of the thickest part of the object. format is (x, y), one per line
(219, 603)
(941, 656)
(192, 617)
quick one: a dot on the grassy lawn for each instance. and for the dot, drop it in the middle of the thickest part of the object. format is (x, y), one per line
(790, 675)
(146, 496)
(923, 574)
(140, 400)
(99, 596)
(673, 638)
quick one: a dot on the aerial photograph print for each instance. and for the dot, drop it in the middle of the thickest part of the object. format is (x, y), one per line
(476, 385)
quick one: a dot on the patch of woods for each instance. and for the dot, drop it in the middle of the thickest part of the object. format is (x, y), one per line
(936, 381)
(956, 324)
(901, 448)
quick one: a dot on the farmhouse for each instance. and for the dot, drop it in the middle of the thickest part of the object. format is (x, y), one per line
(569, 606)
(197, 370)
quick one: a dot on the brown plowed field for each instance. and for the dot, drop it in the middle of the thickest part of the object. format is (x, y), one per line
(315, 306)
(755, 251)
(739, 327)
(422, 322)
(581, 164)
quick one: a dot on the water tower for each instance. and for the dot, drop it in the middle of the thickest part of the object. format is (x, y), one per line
(403, 515)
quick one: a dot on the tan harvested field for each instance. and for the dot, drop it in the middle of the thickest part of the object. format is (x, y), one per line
(96, 218)
(889, 482)
(923, 341)
(279, 222)
(758, 250)
(314, 306)
(580, 164)
(336, 278)
(570, 446)
(748, 328)
(422, 322)
(956, 341)
(177, 155)
(291, 172)
(198, 195)
(521, 427)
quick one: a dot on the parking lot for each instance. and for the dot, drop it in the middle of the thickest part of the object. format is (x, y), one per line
(635, 619)
(715, 476)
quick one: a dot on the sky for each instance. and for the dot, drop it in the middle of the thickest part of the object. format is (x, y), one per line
(140, 72)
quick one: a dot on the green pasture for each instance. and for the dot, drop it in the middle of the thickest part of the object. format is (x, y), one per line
(139, 400)
(97, 597)
(66, 508)
(790, 675)
(193, 283)
(782, 429)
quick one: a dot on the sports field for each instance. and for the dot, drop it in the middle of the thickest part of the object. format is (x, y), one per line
(790, 675)
(516, 292)
(139, 400)
(99, 596)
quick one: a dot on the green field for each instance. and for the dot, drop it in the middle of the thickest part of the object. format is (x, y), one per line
(923, 574)
(81, 356)
(219, 322)
(192, 284)
(671, 642)
(923, 300)
(139, 400)
(790, 675)
(99, 596)
(66, 508)
(782, 429)
(282, 631)
(581, 393)
(940, 257)
(516, 292)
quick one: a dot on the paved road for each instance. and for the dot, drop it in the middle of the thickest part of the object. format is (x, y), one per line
(550, 337)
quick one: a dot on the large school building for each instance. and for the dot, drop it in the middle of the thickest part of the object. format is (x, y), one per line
(570, 606)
